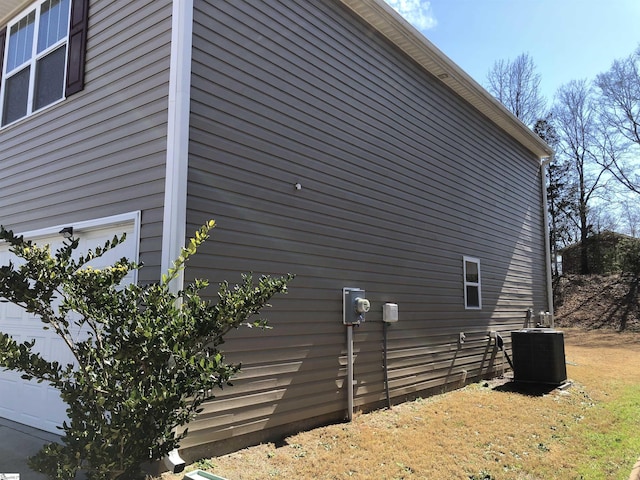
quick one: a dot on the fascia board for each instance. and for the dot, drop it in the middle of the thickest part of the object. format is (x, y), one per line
(384, 19)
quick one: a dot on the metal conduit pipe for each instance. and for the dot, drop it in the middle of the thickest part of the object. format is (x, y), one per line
(350, 372)
(500, 345)
(385, 363)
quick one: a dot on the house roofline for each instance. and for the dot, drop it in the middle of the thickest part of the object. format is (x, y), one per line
(384, 19)
(11, 8)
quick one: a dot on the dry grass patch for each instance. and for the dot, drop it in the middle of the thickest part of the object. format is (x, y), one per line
(489, 430)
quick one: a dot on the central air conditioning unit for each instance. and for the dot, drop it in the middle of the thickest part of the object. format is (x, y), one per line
(538, 356)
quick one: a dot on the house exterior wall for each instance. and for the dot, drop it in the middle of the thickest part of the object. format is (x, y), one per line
(102, 151)
(400, 178)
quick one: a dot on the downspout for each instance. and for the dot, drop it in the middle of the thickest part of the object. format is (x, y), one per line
(174, 224)
(547, 242)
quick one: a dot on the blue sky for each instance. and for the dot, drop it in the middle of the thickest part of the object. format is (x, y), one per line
(567, 39)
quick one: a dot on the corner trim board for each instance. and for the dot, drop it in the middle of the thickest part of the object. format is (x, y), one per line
(175, 198)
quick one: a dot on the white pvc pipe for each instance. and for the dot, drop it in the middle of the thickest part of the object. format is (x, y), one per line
(349, 372)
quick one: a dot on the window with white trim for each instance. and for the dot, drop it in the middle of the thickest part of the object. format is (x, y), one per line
(472, 284)
(42, 50)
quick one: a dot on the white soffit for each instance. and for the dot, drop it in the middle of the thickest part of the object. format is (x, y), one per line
(389, 23)
(10, 8)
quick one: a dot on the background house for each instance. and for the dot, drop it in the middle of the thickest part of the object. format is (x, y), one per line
(328, 139)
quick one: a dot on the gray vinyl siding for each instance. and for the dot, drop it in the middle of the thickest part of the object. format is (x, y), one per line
(400, 179)
(102, 151)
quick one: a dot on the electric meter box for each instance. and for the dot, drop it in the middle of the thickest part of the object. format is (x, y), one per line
(354, 306)
(390, 312)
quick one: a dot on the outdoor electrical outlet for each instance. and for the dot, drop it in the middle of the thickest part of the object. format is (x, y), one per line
(492, 337)
(462, 338)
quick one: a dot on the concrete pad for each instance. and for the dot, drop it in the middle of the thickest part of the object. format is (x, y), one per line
(635, 473)
(19, 442)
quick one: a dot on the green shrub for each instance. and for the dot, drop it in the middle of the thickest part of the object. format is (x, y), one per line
(629, 256)
(147, 363)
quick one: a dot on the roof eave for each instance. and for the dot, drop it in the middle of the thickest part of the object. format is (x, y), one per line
(389, 23)
(11, 8)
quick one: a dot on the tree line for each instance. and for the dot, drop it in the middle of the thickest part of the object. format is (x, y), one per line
(593, 127)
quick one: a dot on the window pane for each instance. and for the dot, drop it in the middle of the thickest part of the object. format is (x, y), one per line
(21, 42)
(15, 97)
(49, 78)
(473, 296)
(54, 23)
(472, 272)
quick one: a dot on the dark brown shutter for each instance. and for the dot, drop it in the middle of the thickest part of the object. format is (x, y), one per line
(3, 37)
(77, 46)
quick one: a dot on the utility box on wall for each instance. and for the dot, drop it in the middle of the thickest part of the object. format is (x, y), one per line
(390, 312)
(538, 356)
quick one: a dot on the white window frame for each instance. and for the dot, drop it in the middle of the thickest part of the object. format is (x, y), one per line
(32, 62)
(467, 283)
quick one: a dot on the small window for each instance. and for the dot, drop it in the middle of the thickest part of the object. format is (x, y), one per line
(472, 291)
(36, 53)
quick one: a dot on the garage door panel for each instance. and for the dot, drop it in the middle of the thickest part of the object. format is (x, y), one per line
(29, 402)
(33, 398)
(9, 395)
(38, 404)
(14, 315)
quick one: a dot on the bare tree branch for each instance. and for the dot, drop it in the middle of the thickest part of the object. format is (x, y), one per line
(517, 86)
(575, 120)
(619, 109)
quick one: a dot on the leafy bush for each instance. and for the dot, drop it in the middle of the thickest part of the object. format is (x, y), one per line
(629, 256)
(147, 358)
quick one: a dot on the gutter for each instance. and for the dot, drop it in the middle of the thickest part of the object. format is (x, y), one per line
(382, 18)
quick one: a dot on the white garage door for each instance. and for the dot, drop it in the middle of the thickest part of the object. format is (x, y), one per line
(38, 404)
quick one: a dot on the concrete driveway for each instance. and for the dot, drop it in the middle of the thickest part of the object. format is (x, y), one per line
(17, 443)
